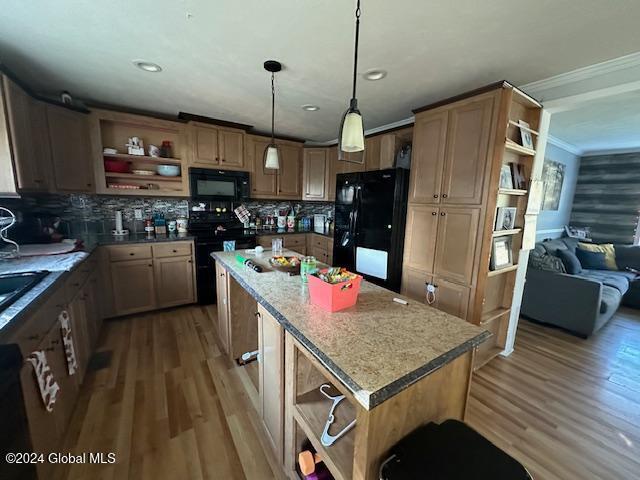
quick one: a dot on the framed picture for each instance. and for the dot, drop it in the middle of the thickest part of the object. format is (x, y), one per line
(525, 134)
(518, 175)
(553, 177)
(501, 253)
(505, 218)
(506, 181)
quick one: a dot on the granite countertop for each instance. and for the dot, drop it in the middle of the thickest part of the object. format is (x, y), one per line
(59, 265)
(376, 348)
(284, 231)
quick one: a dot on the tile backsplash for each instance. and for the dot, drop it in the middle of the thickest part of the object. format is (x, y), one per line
(80, 213)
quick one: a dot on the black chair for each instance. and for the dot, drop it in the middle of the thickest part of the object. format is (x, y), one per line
(449, 451)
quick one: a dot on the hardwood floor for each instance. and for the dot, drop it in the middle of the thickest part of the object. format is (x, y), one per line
(567, 408)
(172, 407)
(169, 405)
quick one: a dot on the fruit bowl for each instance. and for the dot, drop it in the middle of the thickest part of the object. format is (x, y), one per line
(289, 265)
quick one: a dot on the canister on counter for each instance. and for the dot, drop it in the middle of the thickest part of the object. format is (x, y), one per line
(308, 265)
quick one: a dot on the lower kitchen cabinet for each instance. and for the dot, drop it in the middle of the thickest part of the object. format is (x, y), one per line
(222, 326)
(133, 286)
(174, 277)
(144, 278)
(271, 375)
(448, 296)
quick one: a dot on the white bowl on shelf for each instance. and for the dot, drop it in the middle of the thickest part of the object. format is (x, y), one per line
(168, 170)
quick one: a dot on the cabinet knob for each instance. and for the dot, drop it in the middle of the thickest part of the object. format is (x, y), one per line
(150, 265)
(89, 184)
(190, 261)
(174, 251)
(217, 159)
(257, 315)
(132, 254)
(442, 214)
(435, 195)
(444, 195)
(33, 337)
(433, 213)
(223, 160)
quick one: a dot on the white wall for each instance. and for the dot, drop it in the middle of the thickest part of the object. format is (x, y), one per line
(551, 222)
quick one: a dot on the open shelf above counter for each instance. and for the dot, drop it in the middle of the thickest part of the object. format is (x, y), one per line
(143, 178)
(145, 158)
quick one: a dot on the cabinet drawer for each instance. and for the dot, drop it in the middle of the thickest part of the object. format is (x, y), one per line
(79, 276)
(171, 249)
(265, 240)
(294, 240)
(319, 241)
(128, 252)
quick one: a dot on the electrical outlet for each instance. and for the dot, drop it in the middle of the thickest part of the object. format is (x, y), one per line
(137, 214)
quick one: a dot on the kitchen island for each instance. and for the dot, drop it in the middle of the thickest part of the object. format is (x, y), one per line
(398, 366)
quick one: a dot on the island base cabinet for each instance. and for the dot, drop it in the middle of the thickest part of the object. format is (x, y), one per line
(271, 375)
(358, 454)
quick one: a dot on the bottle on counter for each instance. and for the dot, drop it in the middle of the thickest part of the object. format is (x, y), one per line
(258, 223)
(148, 226)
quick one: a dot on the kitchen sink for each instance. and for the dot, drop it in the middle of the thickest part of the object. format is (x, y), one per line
(14, 285)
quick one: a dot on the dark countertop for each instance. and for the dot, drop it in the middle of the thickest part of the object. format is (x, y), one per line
(61, 265)
(376, 348)
(284, 231)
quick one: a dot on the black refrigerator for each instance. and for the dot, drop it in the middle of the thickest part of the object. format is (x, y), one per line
(370, 215)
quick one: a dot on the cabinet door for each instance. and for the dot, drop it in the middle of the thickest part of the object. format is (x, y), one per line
(372, 153)
(205, 145)
(81, 332)
(451, 298)
(231, 148)
(271, 381)
(222, 292)
(133, 286)
(467, 152)
(289, 178)
(314, 170)
(263, 180)
(69, 138)
(414, 284)
(334, 169)
(427, 158)
(456, 243)
(174, 281)
(420, 237)
(29, 138)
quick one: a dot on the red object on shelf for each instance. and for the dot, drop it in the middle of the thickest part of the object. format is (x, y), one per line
(116, 165)
(333, 296)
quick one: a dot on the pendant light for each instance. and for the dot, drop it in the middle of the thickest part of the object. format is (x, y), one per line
(351, 136)
(272, 152)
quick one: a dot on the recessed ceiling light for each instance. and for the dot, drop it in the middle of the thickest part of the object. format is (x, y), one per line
(147, 66)
(311, 108)
(375, 74)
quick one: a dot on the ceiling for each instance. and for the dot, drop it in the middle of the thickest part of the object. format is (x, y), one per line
(212, 52)
(609, 123)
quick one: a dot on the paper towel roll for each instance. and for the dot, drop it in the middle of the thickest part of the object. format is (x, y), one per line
(118, 221)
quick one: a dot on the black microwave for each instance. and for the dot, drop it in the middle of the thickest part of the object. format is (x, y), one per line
(208, 184)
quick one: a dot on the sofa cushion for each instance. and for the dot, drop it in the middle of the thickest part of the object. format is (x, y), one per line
(627, 256)
(591, 260)
(570, 261)
(551, 246)
(546, 262)
(606, 248)
(618, 280)
(609, 303)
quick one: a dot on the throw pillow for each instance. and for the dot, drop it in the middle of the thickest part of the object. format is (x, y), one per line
(546, 262)
(606, 248)
(591, 260)
(628, 256)
(570, 261)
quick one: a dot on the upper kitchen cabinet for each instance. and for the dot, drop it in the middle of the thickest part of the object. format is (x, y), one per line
(451, 152)
(217, 147)
(70, 151)
(286, 182)
(315, 173)
(122, 173)
(27, 122)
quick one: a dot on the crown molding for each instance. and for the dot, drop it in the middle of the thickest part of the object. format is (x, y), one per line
(611, 151)
(569, 147)
(584, 73)
(367, 133)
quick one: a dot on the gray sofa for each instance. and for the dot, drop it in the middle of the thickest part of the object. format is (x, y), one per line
(580, 303)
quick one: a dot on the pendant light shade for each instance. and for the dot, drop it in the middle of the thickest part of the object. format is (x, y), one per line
(351, 135)
(271, 157)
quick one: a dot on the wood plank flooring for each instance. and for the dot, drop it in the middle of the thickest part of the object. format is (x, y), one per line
(172, 407)
(567, 408)
(169, 405)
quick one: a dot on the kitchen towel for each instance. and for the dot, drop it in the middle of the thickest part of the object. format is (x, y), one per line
(67, 340)
(46, 383)
(242, 213)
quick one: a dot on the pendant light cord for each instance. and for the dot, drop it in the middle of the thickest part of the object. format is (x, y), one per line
(355, 55)
(273, 107)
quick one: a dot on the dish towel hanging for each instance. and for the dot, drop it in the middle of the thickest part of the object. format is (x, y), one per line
(67, 340)
(48, 387)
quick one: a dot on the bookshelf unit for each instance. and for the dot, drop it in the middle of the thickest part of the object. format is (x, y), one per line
(495, 298)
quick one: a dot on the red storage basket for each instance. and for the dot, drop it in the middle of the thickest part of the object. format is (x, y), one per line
(333, 296)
